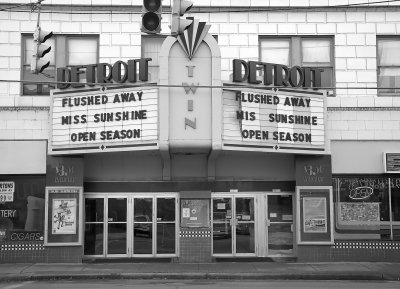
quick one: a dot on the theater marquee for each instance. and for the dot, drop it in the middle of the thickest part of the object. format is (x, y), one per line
(96, 120)
(283, 120)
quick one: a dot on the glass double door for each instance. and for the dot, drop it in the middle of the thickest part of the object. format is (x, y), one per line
(233, 225)
(128, 226)
(253, 224)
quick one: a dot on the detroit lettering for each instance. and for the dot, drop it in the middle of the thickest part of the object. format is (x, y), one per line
(103, 117)
(292, 118)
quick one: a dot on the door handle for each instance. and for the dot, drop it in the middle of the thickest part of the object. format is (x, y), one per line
(268, 222)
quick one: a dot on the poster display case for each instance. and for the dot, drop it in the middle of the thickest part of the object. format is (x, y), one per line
(63, 216)
(314, 215)
(195, 213)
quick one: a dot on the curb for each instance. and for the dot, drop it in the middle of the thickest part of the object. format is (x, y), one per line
(216, 276)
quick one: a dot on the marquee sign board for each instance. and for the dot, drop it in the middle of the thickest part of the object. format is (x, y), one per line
(279, 120)
(96, 120)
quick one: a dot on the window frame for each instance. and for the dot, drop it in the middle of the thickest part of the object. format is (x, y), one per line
(387, 228)
(59, 52)
(378, 66)
(142, 53)
(296, 51)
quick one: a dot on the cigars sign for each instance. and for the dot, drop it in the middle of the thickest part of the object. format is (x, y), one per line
(94, 119)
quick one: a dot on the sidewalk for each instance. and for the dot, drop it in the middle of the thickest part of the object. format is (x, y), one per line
(239, 270)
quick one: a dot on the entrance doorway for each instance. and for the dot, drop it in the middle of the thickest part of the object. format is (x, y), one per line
(127, 225)
(233, 224)
(255, 224)
(280, 225)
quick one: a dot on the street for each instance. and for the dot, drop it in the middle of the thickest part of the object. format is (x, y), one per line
(200, 284)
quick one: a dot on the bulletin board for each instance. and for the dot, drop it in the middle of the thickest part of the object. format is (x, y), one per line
(195, 213)
(314, 215)
(63, 216)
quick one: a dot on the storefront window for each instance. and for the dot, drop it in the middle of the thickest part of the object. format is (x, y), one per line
(367, 205)
(22, 219)
(395, 198)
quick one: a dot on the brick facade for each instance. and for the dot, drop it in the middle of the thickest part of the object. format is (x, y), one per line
(355, 112)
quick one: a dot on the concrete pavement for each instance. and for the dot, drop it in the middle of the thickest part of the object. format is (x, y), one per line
(225, 270)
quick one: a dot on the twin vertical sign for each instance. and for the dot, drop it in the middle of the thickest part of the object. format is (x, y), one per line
(190, 71)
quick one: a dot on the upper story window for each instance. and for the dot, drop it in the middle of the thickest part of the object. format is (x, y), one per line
(151, 46)
(301, 51)
(66, 50)
(388, 61)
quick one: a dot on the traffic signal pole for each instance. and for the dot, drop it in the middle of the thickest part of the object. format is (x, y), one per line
(37, 30)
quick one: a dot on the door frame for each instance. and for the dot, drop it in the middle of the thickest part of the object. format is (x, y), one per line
(130, 223)
(266, 206)
(233, 196)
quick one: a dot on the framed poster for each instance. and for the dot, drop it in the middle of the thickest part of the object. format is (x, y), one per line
(314, 215)
(195, 213)
(63, 216)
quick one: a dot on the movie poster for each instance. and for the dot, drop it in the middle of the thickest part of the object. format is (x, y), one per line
(64, 216)
(314, 215)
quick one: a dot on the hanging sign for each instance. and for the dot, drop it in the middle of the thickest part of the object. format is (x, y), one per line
(7, 190)
(282, 120)
(93, 120)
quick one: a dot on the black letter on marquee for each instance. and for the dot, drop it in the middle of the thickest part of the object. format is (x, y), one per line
(279, 78)
(63, 75)
(91, 74)
(144, 69)
(237, 70)
(75, 71)
(102, 76)
(253, 71)
(116, 71)
(293, 76)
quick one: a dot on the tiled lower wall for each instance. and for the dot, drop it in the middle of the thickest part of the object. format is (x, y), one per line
(351, 251)
(33, 252)
(195, 245)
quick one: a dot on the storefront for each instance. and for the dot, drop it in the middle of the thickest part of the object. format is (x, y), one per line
(194, 168)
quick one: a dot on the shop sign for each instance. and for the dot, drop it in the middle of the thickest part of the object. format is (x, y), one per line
(274, 120)
(64, 171)
(391, 162)
(276, 74)
(7, 190)
(94, 120)
(8, 213)
(119, 72)
(313, 170)
(23, 236)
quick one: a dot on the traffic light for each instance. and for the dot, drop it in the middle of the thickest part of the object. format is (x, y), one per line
(40, 50)
(151, 16)
(179, 8)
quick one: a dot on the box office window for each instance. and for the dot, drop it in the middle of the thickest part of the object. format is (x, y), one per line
(367, 205)
(22, 218)
(388, 61)
(65, 50)
(301, 51)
